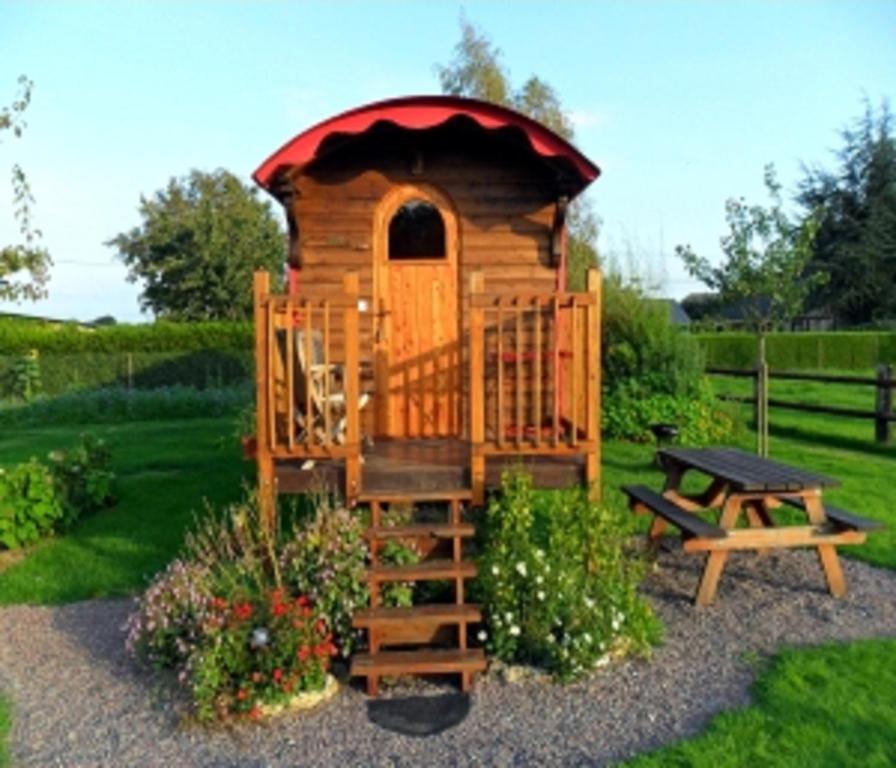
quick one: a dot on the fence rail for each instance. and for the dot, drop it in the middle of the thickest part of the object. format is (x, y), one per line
(882, 414)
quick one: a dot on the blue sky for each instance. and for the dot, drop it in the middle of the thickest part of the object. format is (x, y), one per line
(680, 103)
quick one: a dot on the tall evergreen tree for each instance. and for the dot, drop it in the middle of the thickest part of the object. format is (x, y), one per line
(856, 205)
(476, 71)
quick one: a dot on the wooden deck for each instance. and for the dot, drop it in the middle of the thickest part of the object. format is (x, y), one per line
(425, 466)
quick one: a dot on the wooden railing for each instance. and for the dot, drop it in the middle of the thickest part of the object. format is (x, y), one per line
(534, 375)
(307, 384)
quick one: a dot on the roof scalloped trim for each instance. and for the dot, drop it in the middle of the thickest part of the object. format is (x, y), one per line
(421, 112)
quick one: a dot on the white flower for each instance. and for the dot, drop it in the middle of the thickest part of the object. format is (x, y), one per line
(615, 624)
(495, 570)
(539, 579)
(482, 636)
(508, 616)
(589, 603)
(515, 630)
(539, 553)
(541, 595)
(587, 638)
(551, 639)
(602, 661)
(521, 568)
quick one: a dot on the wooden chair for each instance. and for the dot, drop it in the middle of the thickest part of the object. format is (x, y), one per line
(319, 394)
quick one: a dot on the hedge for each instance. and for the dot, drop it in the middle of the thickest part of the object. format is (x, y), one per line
(69, 338)
(71, 357)
(843, 350)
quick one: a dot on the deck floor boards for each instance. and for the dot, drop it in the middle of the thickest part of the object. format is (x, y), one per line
(425, 465)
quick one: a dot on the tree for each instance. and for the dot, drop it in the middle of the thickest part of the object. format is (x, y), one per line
(25, 266)
(201, 238)
(766, 260)
(476, 71)
(856, 205)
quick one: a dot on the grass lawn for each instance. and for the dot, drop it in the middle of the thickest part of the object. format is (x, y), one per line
(165, 470)
(828, 706)
(5, 725)
(834, 705)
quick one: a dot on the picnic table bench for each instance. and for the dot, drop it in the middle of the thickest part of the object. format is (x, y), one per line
(740, 482)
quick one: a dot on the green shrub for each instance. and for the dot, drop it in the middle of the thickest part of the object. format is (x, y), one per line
(557, 582)
(628, 413)
(30, 504)
(38, 499)
(23, 376)
(84, 478)
(247, 618)
(640, 344)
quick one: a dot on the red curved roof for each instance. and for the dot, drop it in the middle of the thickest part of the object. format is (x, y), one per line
(420, 112)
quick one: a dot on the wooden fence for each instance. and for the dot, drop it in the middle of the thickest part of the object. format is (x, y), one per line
(882, 414)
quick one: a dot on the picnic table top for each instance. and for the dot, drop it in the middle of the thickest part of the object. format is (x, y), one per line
(745, 471)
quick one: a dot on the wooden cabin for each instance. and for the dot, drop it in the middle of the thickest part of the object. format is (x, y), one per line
(426, 340)
(427, 256)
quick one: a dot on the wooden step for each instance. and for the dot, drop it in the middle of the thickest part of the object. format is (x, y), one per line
(432, 614)
(429, 570)
(434, 530)
(416, 497)
(428, 661)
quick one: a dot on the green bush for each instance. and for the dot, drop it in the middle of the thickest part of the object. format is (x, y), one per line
(38, 499)
(84, 478)
(642, 347)
(30, 504)
(843, 350)
(628, 414)
(247, 618)
(558, 583)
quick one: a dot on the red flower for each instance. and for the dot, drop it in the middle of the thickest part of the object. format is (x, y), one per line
(321, 626)
(279, 609)
(277, 596)
(219, 603)
(306, 611)
(303, 653)
(256, 677)
(302, 601)
(242, 611)
(277, 675)
(255, 712)
(241, 694)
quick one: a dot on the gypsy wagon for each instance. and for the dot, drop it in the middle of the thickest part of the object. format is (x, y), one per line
(426, 339)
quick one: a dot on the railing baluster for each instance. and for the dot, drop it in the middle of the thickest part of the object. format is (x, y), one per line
(290, 377)
(555, 385)
(536, 366)
(309, 359)
(272, 402)
(500, 328)
(327, 433)
(574, 370)
(518, 394)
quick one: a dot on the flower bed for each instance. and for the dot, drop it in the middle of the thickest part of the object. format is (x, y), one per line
(248, 620)
(558, 582)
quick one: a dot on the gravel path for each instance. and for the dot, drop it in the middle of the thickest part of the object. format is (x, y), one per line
(80, 701)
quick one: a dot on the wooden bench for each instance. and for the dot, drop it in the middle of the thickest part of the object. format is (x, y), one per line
(642, 498)
(841, 518)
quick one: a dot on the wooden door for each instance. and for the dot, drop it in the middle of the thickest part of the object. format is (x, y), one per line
(418, 377)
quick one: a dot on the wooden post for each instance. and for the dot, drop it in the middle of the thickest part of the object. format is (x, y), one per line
(760, 392)
(592, 384)
(352, 391)
(267, 492)
(884, 404)
(477, 391)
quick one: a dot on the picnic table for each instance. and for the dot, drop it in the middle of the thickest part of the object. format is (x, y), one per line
(739, 484)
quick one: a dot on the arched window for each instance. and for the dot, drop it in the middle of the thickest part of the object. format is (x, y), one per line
(417, 231)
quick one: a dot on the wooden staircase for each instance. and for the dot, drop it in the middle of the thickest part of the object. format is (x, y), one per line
(423, 639)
